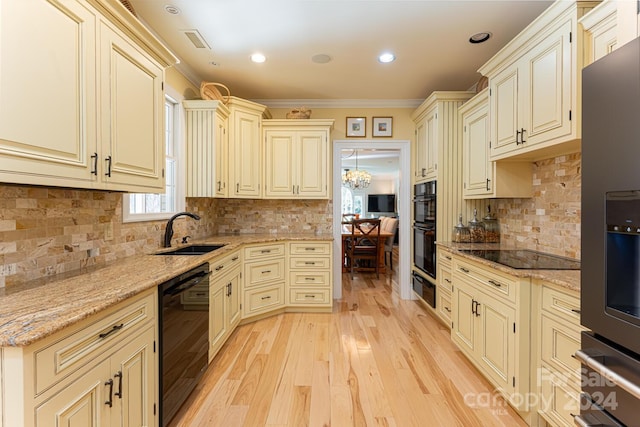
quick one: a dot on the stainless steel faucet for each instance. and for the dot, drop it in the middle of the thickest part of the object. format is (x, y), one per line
(168, 232)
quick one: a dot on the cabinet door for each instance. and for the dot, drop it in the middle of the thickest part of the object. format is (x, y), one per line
(81, 403)
(247, 155)
(547, 98)
(421, 151)
(233, 301)
(431, 130)
(463, 332)
(132, 106)
(217, 317)
(222, 156)
(496, 338)
(477, 168)
(505, 110)
(47, 92)
(312, 168)
(280, 156)
(133, 370)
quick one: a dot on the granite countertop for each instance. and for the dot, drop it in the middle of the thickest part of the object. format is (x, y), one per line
(568, 279)
(37, 309)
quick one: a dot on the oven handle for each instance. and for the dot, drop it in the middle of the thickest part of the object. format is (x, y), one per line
(187, 283)
(608, 374)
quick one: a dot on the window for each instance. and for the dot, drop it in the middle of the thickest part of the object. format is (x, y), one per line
(347, 201)
(146, 207)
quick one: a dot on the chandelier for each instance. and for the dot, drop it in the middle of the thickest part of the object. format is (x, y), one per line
(357, 178)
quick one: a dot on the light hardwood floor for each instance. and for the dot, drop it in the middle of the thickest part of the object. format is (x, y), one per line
(375, 361)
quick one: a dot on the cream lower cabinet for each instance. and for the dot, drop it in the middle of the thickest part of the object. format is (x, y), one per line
(245, 148)
(297, 159)
(100, 372)
(558, 373)
(264, 279)
(483, 178)
(444, 307)
(309, 274)
(89, 114)
(534, 87)
(491, 326)
(225, 293)
(207, 148)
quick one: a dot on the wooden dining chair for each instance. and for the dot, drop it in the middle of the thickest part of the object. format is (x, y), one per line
(363, 245)
(347, 218)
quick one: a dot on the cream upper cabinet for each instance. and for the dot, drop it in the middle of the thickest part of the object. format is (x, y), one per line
(245, 148)
(534, 85)
(97, 96)
(426, 161)
(297, 159)
(207, 148)
(483, 178)
(600, 31)
(132, 115)
(439, 139)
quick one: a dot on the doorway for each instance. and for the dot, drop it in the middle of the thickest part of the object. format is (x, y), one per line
(404, 206)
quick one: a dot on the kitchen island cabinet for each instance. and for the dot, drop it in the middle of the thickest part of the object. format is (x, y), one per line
(97, 121)
(309, 275)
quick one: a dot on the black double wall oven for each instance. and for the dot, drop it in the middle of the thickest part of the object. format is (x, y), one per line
(610, 276)
(424, 239)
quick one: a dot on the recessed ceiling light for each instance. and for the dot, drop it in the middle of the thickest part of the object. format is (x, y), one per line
(321, 58)
(172, 9)
(479, 38)
(386, 57)
(258, 57)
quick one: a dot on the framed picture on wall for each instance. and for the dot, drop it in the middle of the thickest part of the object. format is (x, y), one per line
(383, 126)
(356, 126)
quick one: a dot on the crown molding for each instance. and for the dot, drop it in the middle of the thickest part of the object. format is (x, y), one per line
(340, 103)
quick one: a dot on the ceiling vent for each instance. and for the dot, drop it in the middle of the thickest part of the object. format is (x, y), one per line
(197, 39)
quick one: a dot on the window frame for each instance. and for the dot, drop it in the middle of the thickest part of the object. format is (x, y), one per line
(178, 136)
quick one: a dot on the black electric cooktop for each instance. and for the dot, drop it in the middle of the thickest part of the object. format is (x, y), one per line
(525, 259)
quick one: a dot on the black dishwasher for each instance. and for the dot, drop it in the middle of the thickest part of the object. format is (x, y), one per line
(183, 337)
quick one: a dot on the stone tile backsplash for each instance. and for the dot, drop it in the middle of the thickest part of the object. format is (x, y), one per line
(48, 231)
(550, 221)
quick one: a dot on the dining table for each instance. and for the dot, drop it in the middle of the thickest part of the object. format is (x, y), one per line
(346, 233)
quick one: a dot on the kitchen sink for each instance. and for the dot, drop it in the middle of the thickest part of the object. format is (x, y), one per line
(192, 250)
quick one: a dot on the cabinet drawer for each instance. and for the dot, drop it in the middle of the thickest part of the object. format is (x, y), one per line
(561, 304)
(559, 402)
(559, 343)
(310, 248)
(316, 279)
(68, 351)
(263, 272)
(309, 263)
(444, 258)
(263, 252)
(222, 266)
(263, 299)
(443, 305)
(489, 281)
(301, 296)
(445, 279)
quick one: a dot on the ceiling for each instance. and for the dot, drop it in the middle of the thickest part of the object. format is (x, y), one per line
(382, 164)
(429, 39)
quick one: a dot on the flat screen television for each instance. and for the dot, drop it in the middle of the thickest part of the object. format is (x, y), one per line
(381, 203)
